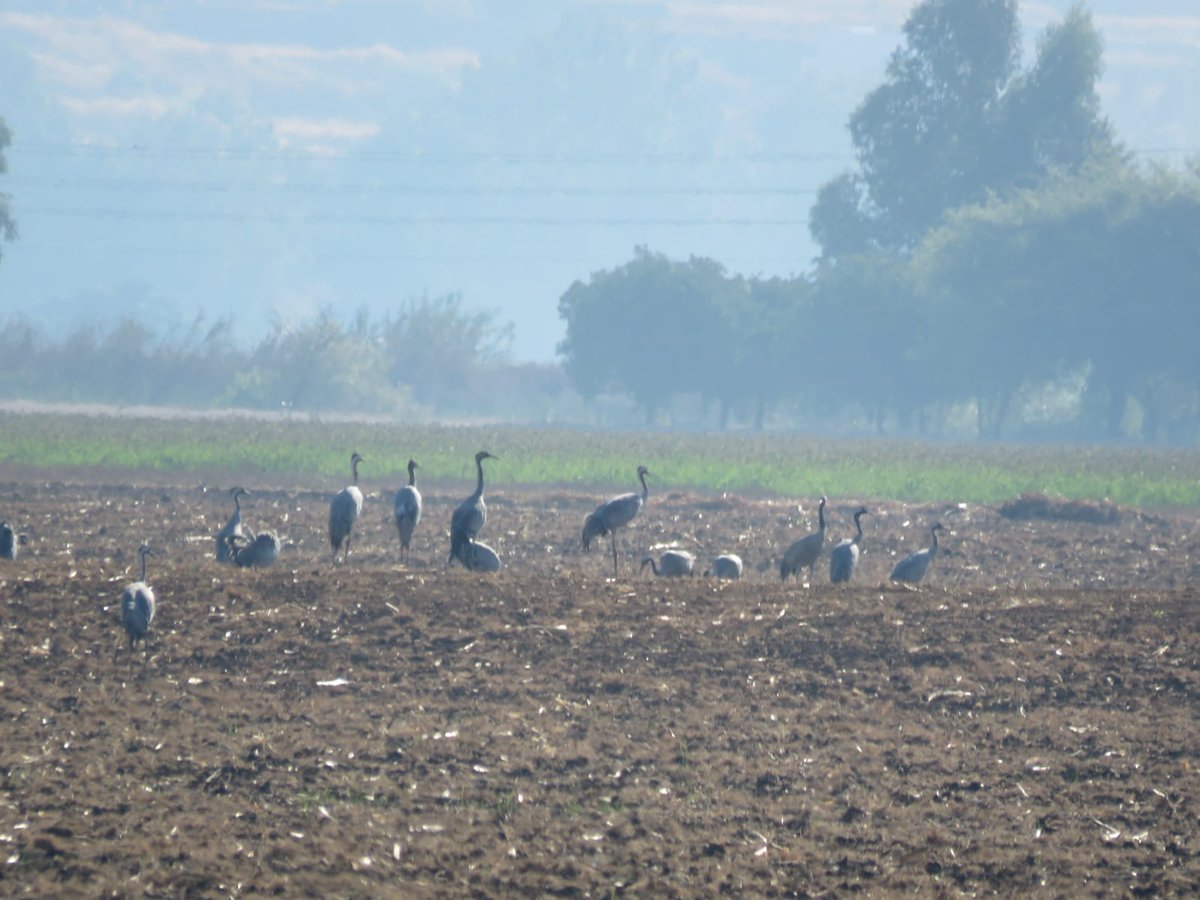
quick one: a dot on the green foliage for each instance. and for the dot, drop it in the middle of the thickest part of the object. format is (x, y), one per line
(649, 329)
(955, 119)
(781, 465)
(8, 225)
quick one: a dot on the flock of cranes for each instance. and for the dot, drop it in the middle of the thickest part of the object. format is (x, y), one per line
(237, 544)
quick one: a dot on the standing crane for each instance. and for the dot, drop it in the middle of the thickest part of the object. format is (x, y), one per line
(10, 541)
(137, 603)
(806, 550)
(913, 567)
(233, 528)
(344, 511)
(672, 564)
(408, 508)
(468, 519)
(615, 513)
(843, 559)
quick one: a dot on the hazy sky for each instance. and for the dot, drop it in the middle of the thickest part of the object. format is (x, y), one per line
(269, 158)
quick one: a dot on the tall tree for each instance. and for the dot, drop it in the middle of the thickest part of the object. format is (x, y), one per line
(955, 119)
(8, 225)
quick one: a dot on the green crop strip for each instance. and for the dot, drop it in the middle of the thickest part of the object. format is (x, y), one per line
(784, 465)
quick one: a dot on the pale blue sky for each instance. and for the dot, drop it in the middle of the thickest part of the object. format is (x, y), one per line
(267, 159)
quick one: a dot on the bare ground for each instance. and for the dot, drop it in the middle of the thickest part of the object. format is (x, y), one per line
(1027, 722)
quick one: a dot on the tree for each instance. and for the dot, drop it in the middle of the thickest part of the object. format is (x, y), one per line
(441, 351)
(1097, 270)
(8, 225)
(955, 119)
(652, 328)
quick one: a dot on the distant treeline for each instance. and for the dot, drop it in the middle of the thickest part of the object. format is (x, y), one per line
(1070, 311)
(994, 250)
(430, 357)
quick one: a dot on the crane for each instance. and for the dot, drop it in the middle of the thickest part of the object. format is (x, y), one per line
(476, 556)
(137, 603)
(843, 559)
(615, 513)
(260, 552)
(233, 528)
(727, 565)
(806, 550)
(344, 511)
(407, 507)
(672, 563)
(913, 567)
(468, 519)
(10, 541)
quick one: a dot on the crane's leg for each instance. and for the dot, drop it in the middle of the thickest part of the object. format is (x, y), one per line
(613, 535)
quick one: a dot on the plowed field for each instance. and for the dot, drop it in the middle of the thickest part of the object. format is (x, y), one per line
(1025, 722)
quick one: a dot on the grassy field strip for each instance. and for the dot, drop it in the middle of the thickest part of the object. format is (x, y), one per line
(786, 465)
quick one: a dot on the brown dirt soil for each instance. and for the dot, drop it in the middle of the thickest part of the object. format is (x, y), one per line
(1028, 721)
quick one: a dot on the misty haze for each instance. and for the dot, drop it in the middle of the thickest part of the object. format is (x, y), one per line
(952, 220)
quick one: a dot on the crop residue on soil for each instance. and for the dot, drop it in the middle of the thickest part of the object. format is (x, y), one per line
(1025, 722)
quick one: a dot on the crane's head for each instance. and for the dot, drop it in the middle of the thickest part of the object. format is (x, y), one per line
(412, 464)
(238, 492)
(482, 455)
(145, 550)
(356, 458)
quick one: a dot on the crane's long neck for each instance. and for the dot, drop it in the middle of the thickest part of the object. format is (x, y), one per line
(354, 471)
(237, 502)
(858, 525)
(645, 487)
(412, 474)
(934, 548)
(479, 481)
(143, 555)
(821, 516)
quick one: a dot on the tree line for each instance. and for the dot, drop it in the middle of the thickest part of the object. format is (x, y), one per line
(996, 250)
(996, 261)
(431, 356)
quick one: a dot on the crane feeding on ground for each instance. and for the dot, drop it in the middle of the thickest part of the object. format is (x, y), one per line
(671, 564)
(727, 565)
(913, 567)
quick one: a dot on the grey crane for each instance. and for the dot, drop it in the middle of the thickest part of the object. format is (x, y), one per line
(913, 567)
(344, 511)
(10, 541)
(727, 565)
(259, 552)
(671, 564)
(137, 603)
(615, 513)
(806, 550)
(843, 558)
(468, 519)
(233, 528)
(408, 508)
(476, 556)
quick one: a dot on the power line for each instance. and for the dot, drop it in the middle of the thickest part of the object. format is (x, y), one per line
(75, 184)
(137, 151)
(323, 218)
